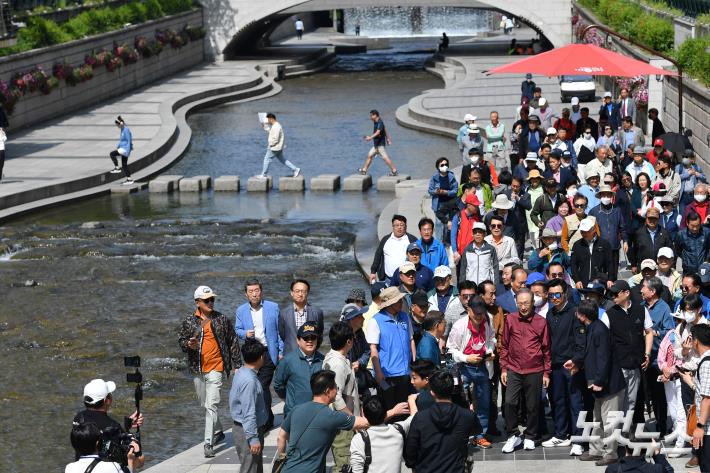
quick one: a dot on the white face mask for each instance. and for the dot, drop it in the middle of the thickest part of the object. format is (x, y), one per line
(538, 301)
(552, 246)
(686, 161)
(700, 197)
(571, 192)
(606, 200)
(443, 168)
(688, 316)
(587, 135)
(474, 159)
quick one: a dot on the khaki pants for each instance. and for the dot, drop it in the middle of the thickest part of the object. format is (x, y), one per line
(207, 386)
(341, 449)
(602, 408)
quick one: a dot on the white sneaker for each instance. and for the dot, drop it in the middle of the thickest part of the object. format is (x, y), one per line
(511, 444)
(297, 172)
(127, 182)
(529, 444)
(576, 450)
(555, 442)
(115, 170)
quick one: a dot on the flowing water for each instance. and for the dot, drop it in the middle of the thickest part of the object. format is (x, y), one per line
(76, 300)
(415, 21)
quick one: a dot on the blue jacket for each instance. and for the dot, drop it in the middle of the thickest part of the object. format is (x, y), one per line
(292, 380)
(435, 184)
(693, 249)
(670, 222)
(433, 254)
(270, 311)
(424, 279)
(662, 322)
(506, 301)
(428, 349)
(125, 141)
(535, 263)
(682, 171)
(705, 309)
(566, 177)
(611, 224)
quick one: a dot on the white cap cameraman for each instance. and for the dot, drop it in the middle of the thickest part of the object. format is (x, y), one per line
(86, 440)
(98, 400)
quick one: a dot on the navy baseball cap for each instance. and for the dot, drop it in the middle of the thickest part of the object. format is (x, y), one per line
(350, 313)
(376, 288)
(413, 246)
(307, 330)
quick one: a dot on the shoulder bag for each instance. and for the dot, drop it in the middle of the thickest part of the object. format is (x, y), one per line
(280, 460)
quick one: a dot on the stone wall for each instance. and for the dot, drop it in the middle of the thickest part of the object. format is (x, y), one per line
(35, 108)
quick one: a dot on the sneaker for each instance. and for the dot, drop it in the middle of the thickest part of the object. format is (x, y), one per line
(576, 450)
(219, 437)
(674, 455)
(209, 453)
(529, 444)
(555, 442)
(483, 443)
(588, 457)
(115, 170)
(297, 172)
(393, 173)
(362, 171)
(127, 182)
(511, 444)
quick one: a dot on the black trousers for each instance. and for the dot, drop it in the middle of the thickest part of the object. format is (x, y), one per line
(399, 389)
(657, 395)
(2, 161)
(614, 265)
(704, 455)
(124, 162)
(528, 386)
(265, 375)
(493, 411)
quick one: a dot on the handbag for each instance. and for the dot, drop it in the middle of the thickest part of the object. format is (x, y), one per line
(280, 460)
(692, 420)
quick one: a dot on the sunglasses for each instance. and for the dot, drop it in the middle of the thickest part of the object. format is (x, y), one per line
(410, 274)
(579, 206)
(556, 275)
(310, 338)
(555, 295)
(496, 225)
(208, 301)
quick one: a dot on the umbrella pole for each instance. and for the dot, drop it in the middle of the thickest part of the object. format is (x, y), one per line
(656, 53)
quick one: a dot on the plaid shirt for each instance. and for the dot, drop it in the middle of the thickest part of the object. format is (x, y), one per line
(702, 385)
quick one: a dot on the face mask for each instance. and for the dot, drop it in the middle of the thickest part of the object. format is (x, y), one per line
(572, 191)
(587, 135)
(700, 197)
(686, 161)
(552, 247)
(538, 301)
(474, 159)
(443, 168)
(606, 200)
(688, 316)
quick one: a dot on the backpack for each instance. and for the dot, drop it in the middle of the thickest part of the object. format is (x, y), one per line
(368, 448)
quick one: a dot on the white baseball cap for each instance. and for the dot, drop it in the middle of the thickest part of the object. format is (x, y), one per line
(665, 252)
(479, 226)
(648, 264)
(586, 224)
(575, 101)
(469, 118)
(552, 130)
(442, 271)
(542, 101)
(204, 292)
(97, 390)
(607, 94)
(531, 156)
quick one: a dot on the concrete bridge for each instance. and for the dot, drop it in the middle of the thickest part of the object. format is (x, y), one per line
(233, 25)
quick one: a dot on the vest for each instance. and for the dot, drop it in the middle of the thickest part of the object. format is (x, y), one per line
(465, 232)
(627, 335)
(394, 347)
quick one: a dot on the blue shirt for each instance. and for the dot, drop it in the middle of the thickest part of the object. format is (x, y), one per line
(662, 322)
(428, 349)
(442, 300)
(393, 346)
(591, 194)
(246, 403)
(433, 253)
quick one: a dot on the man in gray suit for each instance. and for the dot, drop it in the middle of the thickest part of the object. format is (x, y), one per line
(298, 312)
(627, 106)
(630, 135)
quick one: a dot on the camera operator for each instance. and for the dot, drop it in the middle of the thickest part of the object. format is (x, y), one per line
(98, 400)
(86, 438)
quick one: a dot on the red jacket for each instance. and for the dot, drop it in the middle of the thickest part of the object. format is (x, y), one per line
(526, 345)
(700, 209)
(465, 233)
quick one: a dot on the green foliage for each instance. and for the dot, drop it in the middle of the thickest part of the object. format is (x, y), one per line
(663, 6)
(654, 32)
(153, 9)
(171, 7)
(694, 59)
(40, 32)
(704, 18)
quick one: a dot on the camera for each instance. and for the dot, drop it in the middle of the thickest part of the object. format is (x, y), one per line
(115, 445)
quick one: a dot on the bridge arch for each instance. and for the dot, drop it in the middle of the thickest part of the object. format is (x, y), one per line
(229, 19)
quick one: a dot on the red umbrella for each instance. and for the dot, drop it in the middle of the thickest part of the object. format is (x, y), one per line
(581, 59)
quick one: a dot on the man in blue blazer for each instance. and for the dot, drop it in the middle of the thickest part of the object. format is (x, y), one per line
(259, 319)
(296, 313)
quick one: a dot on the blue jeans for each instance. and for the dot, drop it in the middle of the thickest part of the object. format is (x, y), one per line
(478, 376)
(567, 401)
(270, 155)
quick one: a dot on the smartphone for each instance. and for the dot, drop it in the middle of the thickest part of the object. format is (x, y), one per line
(486, 355)
(683, 370)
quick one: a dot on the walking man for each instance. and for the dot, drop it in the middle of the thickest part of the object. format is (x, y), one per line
(246, 404)
(275, 146)
(212, 348)
(299, 28)
(297, 313)
(380, 139)
(259, 319)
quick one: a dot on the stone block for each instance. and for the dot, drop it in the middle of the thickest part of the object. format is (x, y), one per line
(388, 183)
(160, 185)
(292, 184)
(259, 184)
(135, 187)
(206, 181)
(169, 177)
(325, 182)
(357, 183)
(190, 184)
(227, 183)
(403, 187)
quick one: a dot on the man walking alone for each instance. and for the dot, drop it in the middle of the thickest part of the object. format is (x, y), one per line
(209, 339)
(275, 146)
(380, 139)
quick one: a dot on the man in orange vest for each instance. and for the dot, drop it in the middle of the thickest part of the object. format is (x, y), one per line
(462, 226)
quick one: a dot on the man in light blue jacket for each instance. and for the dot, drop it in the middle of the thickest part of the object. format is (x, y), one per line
(258, 319)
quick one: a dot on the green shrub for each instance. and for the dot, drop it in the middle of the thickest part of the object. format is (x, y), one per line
(703, 19)
(694, 60)
(40, 33)
(153, 9)
(77, 27)
(138, 12)
(170, 7)
(654, 32)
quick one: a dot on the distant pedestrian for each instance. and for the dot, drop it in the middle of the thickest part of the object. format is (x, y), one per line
(275, 146)
(444, 42)
(123, 149)
(299, 28)
(658, 128)
(3, 139)
(380, 138)
(357, 29)
(246, 404)
(209, 339)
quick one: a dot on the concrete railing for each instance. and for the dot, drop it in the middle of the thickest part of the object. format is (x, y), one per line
(35, 108)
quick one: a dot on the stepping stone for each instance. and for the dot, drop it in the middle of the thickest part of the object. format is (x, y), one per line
(388, 183)
(206, 181)
(357, 183)
(167, 183)
(135, 187)
(259, 184)
(292, 184)
(325, 182)
(190, 184)
(168, 177)
(227, 183)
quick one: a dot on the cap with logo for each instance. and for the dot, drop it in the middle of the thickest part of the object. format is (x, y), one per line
(442, 271)
(619, 286)
(479, 226)
(659, 142)
(649, 264)
(97, 390)
(204, 292)
(407, 267)
(377, 288)
(704, 272)
(308, 329)
(414, 246)
(665, 252)
(356, 294)
(552, 131)
(593, 287)
(535, 278)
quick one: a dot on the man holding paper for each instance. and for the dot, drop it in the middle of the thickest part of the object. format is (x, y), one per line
(275, 146)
